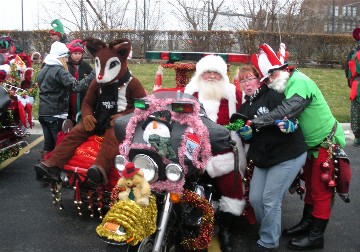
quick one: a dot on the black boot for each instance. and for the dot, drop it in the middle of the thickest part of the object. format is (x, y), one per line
(303, 227)
(94, 175)
(314, 240)
(225, 237)
(44, 172)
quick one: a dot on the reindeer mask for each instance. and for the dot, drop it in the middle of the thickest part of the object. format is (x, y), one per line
(110, 59)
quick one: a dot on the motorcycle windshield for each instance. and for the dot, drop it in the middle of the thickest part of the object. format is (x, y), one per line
(176, 95)
(173, 95)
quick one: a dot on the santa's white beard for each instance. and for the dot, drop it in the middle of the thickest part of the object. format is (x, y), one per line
(279, 83)
(212, 89)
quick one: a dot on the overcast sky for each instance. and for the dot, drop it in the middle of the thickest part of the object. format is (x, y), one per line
(10, 18)
(34, 16)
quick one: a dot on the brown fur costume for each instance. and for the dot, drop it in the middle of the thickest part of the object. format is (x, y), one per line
(111, 72)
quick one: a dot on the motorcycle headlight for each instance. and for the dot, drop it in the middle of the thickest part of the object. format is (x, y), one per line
(148, 166)
(173, 172)
(119, 163)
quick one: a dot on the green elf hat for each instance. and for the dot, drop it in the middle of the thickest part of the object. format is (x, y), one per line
(58, 28)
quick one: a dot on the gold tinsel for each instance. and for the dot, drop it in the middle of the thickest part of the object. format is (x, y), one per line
(138, 221)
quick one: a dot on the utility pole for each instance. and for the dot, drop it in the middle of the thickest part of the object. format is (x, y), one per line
(22, 15)
(145, 35)
(144, 15)
(333, 18)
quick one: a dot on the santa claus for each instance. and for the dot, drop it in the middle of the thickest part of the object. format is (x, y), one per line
(220, 99)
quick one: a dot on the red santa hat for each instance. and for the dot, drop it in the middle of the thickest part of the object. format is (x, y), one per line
(266, 60)
(211, 63)
(76, 46)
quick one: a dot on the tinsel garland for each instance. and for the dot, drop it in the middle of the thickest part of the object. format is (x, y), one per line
(13, 90)
(248, 211)
(138, 221)
(206, 225)
(14, 75)
(193, 120)
(9, 152)
(7, 119)
(183, 72)
(238, 124)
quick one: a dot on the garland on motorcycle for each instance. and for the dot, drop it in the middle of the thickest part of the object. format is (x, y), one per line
(170, 138)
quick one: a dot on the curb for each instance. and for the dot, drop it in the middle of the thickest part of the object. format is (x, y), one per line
(37, 130)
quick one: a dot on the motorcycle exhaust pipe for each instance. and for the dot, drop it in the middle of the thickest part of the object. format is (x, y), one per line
(168, 205)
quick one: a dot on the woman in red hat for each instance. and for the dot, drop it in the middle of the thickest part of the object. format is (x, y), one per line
(79, 69)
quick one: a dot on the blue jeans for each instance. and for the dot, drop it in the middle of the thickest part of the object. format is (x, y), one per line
(51, 126)
(267, 190)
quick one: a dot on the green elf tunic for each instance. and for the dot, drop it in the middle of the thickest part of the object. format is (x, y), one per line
(316, 121)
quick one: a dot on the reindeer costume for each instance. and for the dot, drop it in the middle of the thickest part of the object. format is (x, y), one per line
(109, 96)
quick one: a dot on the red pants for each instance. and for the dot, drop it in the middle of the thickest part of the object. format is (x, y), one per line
(66, 149)
(318, 193)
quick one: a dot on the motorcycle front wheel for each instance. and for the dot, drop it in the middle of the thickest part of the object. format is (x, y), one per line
(145, 245)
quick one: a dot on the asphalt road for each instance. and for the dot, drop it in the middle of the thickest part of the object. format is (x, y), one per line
(30, 222)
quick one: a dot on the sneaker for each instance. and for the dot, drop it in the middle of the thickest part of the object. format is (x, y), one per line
(45, 173)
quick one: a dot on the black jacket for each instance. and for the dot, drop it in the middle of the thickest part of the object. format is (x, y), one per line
(269, 146)
(55, 83)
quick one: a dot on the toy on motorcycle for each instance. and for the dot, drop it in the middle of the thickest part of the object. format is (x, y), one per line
(170, 139)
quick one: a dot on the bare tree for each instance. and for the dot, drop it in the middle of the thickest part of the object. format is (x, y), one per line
(197, 15)
(266, 15)
(89, 14)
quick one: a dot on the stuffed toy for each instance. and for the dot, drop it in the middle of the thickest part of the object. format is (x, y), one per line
(110, 95)
(134, 185)
(134, 214)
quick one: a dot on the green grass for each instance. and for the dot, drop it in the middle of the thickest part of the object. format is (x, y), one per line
(332, 83)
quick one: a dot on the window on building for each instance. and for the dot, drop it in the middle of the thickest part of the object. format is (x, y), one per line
(344, 11)
(354, 10)
(336, 11)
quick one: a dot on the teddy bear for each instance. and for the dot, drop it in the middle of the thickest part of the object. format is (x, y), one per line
(134, 214)
(134, 185)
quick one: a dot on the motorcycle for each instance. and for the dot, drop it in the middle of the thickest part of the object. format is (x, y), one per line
(170, 138)
(15, 120)
(16, 99)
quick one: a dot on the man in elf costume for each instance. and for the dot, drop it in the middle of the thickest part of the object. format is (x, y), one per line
(323, 134)
(352, 72)
(57, 33)
(220, 99)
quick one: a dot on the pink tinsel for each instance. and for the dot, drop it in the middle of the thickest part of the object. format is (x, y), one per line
(196, 126)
